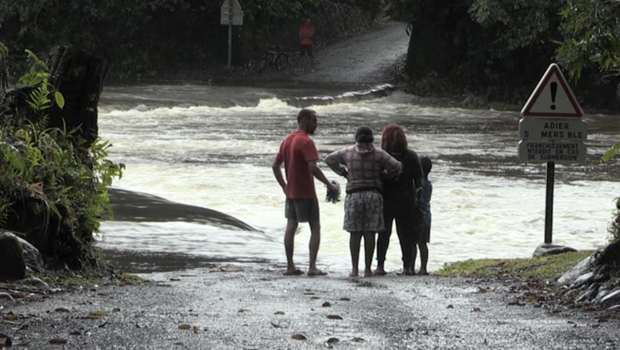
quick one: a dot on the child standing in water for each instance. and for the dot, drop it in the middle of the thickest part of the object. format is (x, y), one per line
(425, 207)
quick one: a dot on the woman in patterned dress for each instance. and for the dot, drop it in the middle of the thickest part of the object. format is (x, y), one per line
(365, 167)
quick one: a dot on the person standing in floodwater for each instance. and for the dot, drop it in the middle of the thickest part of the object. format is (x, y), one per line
(365, 168)
(299, 155)
(400, 201)
(425, 208)
(306, 41)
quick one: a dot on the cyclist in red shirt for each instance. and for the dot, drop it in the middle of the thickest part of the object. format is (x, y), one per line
(306, 40)
(299, 155)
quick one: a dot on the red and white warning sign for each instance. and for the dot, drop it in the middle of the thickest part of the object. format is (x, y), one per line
(552, 97)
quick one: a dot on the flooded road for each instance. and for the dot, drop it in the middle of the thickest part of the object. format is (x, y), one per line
(212, 147)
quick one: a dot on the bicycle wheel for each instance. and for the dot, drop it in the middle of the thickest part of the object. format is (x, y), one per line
(262, 63)
(281, 61)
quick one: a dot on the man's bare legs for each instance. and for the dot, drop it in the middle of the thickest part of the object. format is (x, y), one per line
(315, 242)
(369, 249)
(289, 246)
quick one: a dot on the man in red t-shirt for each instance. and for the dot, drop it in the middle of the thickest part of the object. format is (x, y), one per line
(299, 155)
(306, 40)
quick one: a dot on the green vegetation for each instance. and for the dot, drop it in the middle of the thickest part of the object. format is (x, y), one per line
(499, 49)
(495, 49)
(592, 43)
(156, 38)
(546, 268)
(53, 187)
(591, 30)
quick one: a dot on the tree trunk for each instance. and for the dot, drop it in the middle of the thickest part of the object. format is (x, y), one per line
(79, 76)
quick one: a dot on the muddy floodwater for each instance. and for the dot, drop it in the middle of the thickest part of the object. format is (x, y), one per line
(213, 146)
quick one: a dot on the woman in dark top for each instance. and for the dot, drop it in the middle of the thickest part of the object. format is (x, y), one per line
(400, 200)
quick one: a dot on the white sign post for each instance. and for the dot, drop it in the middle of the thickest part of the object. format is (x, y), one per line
(552, 131)
(231, 14)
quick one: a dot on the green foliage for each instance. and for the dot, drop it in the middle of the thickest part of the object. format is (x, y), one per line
(591, 31)
(51, 178)
(490, 48)
(592, 42)
(611, 152)
(38, 77)
(37, 74)
(69, 184)
(515, 23)
(149, 38)
(3, 50)
(498, 48)
(59, 99)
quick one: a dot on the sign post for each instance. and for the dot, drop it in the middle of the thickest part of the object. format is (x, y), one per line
(552, 132)
(231, 14)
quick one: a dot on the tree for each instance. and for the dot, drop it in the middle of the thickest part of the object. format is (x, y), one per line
(516, 23)
(591, 30)
(491, 47)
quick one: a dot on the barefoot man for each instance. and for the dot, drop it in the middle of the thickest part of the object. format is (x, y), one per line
(299, 155)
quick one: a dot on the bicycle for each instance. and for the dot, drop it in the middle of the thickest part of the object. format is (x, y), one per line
(274, 57)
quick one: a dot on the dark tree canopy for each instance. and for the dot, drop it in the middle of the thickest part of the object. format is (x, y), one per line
(500, 48)
(148, 38)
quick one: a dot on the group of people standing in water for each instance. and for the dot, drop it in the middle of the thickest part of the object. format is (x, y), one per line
(384, 186)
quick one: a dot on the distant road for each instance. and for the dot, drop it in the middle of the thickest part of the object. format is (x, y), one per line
(361, 59)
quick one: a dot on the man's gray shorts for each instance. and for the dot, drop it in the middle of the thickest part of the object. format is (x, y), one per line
(302, 210)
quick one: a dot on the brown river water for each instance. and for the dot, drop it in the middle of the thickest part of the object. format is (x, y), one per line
(212, 147)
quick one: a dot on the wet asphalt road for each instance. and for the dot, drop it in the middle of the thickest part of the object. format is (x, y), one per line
(364, 60)
(233, 309)
(361, 59)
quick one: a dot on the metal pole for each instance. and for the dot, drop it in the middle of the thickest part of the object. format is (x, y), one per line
(230, 20)
(549, 203)
(229, 44)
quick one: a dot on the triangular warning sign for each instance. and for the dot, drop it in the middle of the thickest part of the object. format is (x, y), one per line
(552, 97)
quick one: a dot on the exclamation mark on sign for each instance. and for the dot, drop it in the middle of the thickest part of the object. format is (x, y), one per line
(554, 90)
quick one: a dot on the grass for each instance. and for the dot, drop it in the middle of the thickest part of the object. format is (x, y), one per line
(549, 267)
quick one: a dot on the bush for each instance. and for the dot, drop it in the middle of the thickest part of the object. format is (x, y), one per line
(53, 185)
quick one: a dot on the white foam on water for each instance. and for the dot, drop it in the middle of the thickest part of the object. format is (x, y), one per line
(220, 158)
